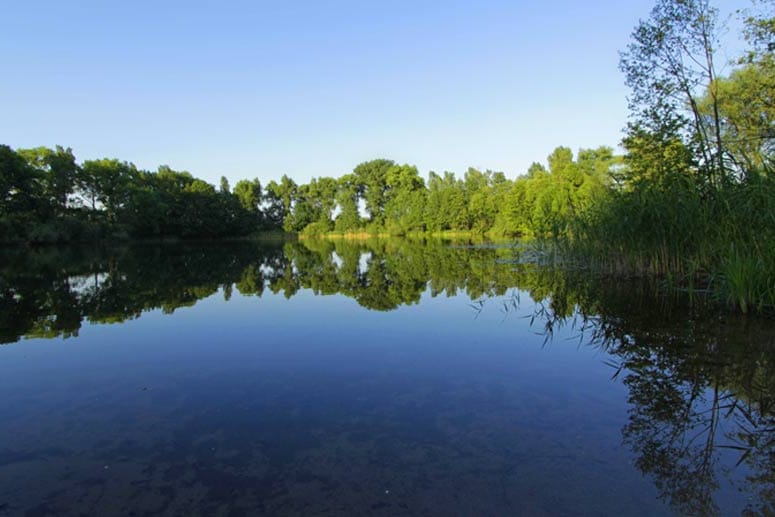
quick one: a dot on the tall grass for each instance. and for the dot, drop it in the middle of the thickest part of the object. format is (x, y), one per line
(720, 239)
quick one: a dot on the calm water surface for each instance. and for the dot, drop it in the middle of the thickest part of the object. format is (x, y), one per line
(385, 378)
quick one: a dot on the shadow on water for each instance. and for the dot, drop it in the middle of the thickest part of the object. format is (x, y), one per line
(700, 382)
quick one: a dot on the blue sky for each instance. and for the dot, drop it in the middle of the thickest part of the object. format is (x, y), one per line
(259, 89)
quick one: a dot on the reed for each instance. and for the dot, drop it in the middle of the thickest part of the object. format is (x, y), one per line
(720, 240)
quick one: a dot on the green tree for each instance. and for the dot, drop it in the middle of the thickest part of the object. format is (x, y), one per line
(305, 210)
(759, 32)
(405, 200)
(248, 193)
(746, 105)
(285, 192)
(320, 196)
(371, 179)
(513, 217)
(655, 159)
(669, 65)
(225, 185)
(447, 206)
(58, 171)
(485, 192)
(20, 187)
(347, 196)
(108, 182)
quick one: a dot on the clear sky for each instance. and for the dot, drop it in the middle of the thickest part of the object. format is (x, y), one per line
(260, 89)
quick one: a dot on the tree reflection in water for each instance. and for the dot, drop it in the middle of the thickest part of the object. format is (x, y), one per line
(701, 383)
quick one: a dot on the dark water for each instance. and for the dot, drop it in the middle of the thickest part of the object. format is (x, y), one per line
(386, 378)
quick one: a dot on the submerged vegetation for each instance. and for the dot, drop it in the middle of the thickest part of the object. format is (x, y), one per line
(692, 200)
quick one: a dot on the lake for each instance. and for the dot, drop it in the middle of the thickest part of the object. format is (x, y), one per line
(385, 377)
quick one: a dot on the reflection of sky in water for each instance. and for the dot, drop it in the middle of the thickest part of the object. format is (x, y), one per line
(315, 404)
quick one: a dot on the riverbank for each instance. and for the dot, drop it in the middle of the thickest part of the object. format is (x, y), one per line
(717, 240)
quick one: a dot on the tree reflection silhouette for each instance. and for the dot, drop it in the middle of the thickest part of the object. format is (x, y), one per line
(701, 384)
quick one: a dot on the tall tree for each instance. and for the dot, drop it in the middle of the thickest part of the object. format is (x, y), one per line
(19, 183)
(59, 172)
(669, 65)
(285, 192)
(347, 197)
(249, 194)
(321, 194)
(108, 181)
(746, 104)
(372, 180)
(225, 185)
(746, 99)
(405, 200)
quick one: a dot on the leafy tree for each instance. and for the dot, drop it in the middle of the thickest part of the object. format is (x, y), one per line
(248, 193)
(347, 197)
(371, 179)
(321, 194)
(447, 206)
(285, 192)
(109, 182)
(485, 192)
(148, 213)
(655, 159)
(173, 180)
(305, 211)
(759, 32)
(20, 186)
(273, 210)
(58, 171)
(405, 200)
(669, 65)
(747, 114)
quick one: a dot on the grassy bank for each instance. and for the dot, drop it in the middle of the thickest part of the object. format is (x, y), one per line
(721, 240)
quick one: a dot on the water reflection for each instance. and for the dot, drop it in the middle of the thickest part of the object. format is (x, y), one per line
(701, 384)
(50, 292)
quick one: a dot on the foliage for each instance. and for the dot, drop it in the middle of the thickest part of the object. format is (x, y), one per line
(669, 65)
(695, 200)
(48, 197)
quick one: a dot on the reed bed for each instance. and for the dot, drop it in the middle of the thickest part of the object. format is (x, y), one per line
(720, 240)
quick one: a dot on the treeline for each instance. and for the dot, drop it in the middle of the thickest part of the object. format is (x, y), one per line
(383, 197)
(47, 196)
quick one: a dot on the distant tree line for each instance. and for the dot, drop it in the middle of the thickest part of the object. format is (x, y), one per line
(47, 196)
(382, 196)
